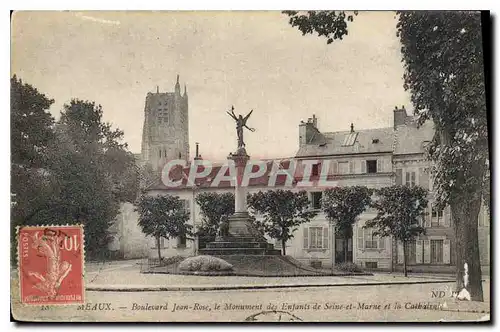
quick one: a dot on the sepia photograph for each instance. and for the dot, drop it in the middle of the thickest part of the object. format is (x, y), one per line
(250, 166)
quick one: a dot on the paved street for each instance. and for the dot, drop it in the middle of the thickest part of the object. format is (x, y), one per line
(299, 302)
(345, 303)
(114, 274)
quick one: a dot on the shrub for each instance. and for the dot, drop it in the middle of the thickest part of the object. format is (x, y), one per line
(349, 267)
(171, 260)
(204, 263)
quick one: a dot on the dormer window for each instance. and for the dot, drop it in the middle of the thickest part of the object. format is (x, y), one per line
(375, 140)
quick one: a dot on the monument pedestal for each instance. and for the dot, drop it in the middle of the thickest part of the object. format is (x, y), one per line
(241, 238)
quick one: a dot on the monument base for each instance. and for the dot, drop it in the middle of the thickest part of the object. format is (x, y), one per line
(242, 239)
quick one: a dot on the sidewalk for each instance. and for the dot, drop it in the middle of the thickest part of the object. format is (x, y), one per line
(137, 282)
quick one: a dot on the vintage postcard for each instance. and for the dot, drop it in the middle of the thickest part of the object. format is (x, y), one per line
(250, 166)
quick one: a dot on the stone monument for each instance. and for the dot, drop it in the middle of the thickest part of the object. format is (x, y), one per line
(239, 236)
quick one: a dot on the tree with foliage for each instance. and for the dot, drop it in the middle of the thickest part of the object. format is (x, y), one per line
(443, 62)
(400, 208)
(163, 216)
(90, 173)
(94, 172)
(213, 207)
(342, 207)
(282, 212)
(444, 71)
(31, 135)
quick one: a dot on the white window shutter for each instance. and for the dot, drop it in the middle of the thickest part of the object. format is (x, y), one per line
(400, 252)
(334, 168)
(387, 165)
(428, 216)
(325, 238)
(399, 176)
(351, 167)
(379, 166)
(446, 251)
(306, 238)
(427, 251)
(363, 166)
(447, 216)
(418, 251)
(381, 243)
(360, 237)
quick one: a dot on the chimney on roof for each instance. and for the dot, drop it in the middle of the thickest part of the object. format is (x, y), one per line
(157, 89)
(352, 127)
(399, 116)
(307, 130)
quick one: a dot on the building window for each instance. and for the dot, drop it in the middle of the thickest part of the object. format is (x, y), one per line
(437, 219)
(343, 167)
(315, 170)
(410, 178)
(181, 241)
(163, 115)
(185, 205)
(367, 240)
(316, 237)
(371, 265)
(371, 241)
(316, 200)
(371, 166)
(437, 251)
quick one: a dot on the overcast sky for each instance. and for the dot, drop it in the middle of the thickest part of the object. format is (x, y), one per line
(252, 60)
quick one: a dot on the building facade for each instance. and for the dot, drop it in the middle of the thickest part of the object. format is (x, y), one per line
(374, 158)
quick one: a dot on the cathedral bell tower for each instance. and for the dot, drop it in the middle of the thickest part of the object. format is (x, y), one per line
(165, 133)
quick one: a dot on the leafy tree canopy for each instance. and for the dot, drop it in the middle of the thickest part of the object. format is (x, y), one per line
(327, 23)
(343, 205)
(399, 210)
(282, 212)
(213, 206)
(163, 216)
(443, 59)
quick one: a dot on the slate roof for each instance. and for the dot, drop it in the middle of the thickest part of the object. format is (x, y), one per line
(410, 139)
(334, 143)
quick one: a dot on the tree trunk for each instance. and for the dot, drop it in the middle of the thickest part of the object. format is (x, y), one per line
(465, 213)
(405, 270)
(159, 249)
(283, 245)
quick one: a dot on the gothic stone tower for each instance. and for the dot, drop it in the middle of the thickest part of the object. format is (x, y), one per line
(165, 134)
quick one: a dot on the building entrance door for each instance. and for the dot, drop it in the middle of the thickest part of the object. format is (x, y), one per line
(340, 250)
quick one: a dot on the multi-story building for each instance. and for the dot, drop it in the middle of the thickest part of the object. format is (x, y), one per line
(374, 158)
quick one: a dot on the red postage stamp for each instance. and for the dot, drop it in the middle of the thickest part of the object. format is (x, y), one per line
(51, 264)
